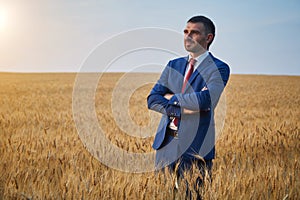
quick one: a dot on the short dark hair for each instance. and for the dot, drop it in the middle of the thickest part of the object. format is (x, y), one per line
(208, 25)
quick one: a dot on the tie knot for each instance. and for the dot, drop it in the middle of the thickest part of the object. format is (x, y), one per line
(192, 62)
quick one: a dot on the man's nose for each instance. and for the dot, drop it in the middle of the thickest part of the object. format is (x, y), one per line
(190, 34)
(188, 37)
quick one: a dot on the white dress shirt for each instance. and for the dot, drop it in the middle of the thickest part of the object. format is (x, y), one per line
(199, 60)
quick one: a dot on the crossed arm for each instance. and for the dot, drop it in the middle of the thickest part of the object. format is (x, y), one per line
(168, 96)
(162, 100)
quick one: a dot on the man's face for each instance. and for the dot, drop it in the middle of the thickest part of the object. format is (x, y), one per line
(195, 38)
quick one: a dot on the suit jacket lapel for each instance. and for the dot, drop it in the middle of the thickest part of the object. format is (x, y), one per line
(206, 62)
(185, 64)
(181, 71)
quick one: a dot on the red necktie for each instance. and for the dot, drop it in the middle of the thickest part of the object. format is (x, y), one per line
(187, 77)
(189, 73)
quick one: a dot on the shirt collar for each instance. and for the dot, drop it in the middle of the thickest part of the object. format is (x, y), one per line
(200, 58)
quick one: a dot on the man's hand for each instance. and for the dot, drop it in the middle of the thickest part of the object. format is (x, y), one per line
(187, 111)
(168, 96)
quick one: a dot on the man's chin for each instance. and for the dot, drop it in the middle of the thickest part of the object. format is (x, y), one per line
(189, 48)
(193, 49)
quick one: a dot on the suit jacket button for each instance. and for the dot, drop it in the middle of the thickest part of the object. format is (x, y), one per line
(175, 102)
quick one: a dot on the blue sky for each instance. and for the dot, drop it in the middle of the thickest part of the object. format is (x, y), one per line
(253, 37)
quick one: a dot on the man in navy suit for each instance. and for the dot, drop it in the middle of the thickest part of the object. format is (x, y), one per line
(186, 95)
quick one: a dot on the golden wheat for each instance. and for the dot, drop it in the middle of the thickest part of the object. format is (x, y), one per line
(42, 156)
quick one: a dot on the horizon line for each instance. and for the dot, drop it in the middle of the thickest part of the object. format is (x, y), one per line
(122, 72)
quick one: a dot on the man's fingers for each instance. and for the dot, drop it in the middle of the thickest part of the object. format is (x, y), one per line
(187, 111)
(168, 96)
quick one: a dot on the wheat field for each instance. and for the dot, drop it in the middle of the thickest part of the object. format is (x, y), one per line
(42, 156)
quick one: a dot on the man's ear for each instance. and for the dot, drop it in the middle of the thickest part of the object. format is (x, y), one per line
(209, 38)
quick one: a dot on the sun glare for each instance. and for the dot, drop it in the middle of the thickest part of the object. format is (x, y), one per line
(2, 19)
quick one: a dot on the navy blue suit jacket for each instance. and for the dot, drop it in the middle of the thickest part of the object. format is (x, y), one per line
(196, 131)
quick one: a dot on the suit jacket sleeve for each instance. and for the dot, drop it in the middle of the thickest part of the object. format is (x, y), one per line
(156, 100)
(205, 100)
